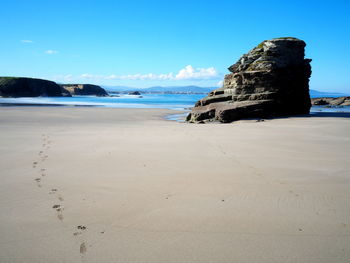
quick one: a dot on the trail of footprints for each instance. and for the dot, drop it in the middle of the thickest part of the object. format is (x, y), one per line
(58, 207)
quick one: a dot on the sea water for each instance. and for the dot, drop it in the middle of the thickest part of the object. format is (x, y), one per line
(159, 101)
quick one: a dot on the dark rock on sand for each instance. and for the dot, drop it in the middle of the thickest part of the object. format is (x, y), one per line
(270, 80)
(326, 101)
(28, 87)
(84, 89)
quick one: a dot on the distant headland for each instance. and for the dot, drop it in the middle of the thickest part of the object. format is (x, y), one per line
(32, 87)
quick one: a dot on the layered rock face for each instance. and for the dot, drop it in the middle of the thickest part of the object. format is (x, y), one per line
(270, 80)
(84, 89)
(28, 87)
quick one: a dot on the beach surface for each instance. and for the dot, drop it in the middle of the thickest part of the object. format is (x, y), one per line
(125, 185)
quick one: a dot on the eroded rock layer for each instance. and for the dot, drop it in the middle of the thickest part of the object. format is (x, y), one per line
(327, 101)
(84, 89)
(270, 80)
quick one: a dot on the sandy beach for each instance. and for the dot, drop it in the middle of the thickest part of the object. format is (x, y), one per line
(125, 185)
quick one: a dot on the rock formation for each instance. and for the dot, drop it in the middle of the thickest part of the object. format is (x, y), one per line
(28, 87)
(326, 101)
(84, 89)
(134, 93)
(270, 80)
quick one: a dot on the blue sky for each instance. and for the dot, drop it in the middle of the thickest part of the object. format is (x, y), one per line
(146, 43)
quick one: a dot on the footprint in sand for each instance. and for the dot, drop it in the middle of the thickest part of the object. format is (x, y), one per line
(35, 164)
(56, 206)
(59, 210)
(81, 227)
(54, 190)
(82, 248)
(43, 172)
(60, 215)
(83, 245)
(38, 181)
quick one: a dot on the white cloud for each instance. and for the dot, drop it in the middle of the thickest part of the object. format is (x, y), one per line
(187, 73)
(190, 72)
(27, 41)
(51, 52)
(89, 76)
(166, 76)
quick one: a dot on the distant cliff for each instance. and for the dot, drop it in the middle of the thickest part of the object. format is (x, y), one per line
(29, 87)
(84, 89)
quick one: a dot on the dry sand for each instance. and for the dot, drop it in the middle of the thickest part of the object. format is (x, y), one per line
(124, 185)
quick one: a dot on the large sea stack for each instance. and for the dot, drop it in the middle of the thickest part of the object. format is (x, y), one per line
(270, 80)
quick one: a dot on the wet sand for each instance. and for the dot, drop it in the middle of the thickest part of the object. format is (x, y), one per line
(125, 185)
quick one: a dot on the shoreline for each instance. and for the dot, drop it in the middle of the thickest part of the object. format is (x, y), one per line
(126, 185)
(315, 109)
(156, 101)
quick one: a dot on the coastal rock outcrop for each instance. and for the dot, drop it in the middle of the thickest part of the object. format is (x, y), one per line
(326, 101)
(28, 87)
(134, 93)
(270, 80)
(84, 89)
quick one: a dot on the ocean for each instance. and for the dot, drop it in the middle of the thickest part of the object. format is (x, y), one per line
(160, 101)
